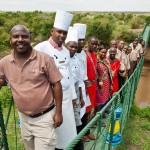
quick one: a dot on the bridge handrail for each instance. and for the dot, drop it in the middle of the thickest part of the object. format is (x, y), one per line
(123, 98)
(127, 90)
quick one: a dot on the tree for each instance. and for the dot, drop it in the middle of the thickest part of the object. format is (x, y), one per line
(103, 32)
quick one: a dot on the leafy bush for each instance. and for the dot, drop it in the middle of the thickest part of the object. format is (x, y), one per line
(137, 22)
(144, 112)
(103, 32)
(128, 17)
(148, 19)
(145, 125)
(2, 21)
(102, 25)
(5, 96)
(127, 36)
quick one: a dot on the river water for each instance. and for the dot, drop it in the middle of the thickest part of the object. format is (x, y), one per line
(142, 98)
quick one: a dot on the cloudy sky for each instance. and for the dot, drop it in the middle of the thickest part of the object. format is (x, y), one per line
(75, 5)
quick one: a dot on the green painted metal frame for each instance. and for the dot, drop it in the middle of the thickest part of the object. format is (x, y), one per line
(3, 142)
(124, 98)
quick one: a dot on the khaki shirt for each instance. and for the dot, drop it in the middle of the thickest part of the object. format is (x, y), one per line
(136, 52)
(31, 84)
(128, 61)
(123, 59)
(138, 48)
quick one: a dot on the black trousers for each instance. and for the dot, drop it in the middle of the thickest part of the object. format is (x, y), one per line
(85, 122)
(121, 81)
(80, 144)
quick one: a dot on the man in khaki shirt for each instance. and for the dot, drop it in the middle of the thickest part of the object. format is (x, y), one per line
(137, 46)
(134, 55)
(123, 62)
(35, 83)
(136, 51)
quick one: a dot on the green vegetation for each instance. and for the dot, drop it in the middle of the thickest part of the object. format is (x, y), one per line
(12, 130)
(106, 26)
(5, 96)
(136, 134)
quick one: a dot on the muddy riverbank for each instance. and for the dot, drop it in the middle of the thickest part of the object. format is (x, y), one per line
(143, 91)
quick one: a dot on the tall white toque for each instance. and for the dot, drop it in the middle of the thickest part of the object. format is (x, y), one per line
(72, 35)
(63, 20)
(81, 30)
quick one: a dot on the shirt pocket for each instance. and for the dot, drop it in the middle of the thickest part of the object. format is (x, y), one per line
(36, 75)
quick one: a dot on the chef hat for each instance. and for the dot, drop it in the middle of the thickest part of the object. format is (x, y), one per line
(81, 30)
(72, 35)
(63, 20)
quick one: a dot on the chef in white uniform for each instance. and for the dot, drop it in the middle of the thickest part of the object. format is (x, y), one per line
(71, 43)
(82, 60)
(72, 46)
(54, 47)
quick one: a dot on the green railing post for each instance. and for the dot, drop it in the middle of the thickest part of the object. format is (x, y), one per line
(3, 130)
(9, 110)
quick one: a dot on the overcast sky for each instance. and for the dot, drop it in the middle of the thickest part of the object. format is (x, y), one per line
(75, 5)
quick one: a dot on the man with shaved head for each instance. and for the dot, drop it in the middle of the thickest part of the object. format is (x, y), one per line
(92, 77)
(113, 43)
(35, 83)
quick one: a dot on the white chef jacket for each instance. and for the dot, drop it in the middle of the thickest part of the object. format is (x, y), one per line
(83, 71)
(75, 68)
(83, 64)
(62, 61)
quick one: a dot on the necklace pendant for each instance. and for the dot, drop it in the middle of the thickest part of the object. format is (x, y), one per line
(101, 83)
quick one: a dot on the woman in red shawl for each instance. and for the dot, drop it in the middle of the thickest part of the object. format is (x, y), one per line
(104, 77)
(115, 66)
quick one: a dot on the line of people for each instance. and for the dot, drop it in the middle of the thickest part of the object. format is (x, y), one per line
(59, 84)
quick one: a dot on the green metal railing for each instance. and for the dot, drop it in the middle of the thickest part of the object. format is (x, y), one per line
(10, 137)
(124, 99)
(145, 34)
(3, 137)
